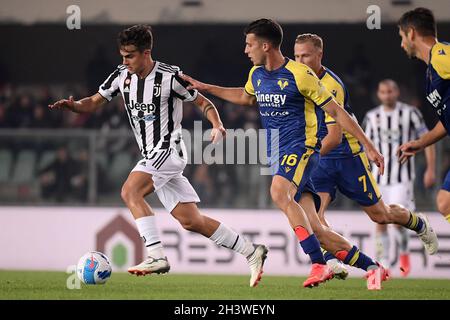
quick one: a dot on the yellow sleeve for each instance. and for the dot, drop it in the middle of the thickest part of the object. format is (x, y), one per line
(249, 85)
(338, 91)
(308, 84)
(441, 63)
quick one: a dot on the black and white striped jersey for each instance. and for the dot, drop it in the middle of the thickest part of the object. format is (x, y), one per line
(153, 104)
(388, 129)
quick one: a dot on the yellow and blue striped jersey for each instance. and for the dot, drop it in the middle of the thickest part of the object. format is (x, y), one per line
(438, 82)
(349, 145)
(289, 100)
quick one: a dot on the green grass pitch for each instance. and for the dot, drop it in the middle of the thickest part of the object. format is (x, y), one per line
(52, 285)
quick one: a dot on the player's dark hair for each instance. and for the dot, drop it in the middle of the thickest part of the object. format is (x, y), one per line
(266, 29)
(139, 35)
(421, 19)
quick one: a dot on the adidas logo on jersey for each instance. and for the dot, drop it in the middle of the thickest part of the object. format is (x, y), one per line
(441, 52)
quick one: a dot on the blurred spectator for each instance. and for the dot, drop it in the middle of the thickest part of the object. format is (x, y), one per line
(55, 177)
(202, 183)
(3, 116)
(21, 113)
(41, 117)
(113, 118)
(79, 177)
(64, 177)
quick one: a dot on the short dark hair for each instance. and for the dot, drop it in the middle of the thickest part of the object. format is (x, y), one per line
(421, 19)
(139, 35)
(266, 29)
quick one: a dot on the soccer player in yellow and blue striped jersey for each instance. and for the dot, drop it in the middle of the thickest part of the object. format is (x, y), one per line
(291, 100)
(417, 29)
(344, 164)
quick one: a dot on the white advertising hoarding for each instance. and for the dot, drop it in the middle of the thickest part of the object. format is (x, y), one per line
(53, 238)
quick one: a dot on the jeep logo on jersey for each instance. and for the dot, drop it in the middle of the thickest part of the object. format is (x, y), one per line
(139, 106)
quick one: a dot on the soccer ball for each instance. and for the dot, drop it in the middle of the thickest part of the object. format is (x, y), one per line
(94, 268)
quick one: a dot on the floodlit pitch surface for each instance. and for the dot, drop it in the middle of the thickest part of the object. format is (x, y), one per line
(52, 285)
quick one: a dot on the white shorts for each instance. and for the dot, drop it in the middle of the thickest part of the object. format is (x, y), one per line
(399, 194)
(170, 185)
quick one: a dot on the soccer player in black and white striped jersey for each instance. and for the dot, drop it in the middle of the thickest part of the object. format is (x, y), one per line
(153, 93)
(389, 125)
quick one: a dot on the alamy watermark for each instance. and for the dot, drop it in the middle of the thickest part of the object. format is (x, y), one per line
(374, 19)
(73, 21)
(239, 146)
(72, 282)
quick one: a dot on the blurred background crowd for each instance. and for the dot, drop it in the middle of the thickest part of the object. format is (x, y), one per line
(54, 157)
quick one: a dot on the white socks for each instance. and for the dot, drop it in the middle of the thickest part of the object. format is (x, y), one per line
(228, 238)
(223, 236)
(402, 237)
(147, 230)
(382, 248)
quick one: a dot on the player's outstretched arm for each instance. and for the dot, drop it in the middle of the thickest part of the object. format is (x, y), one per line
(410, 148)
(343, 118)
(233, 95)
(209, 111)
(85, 105)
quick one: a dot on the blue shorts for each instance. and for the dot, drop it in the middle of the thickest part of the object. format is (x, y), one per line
(446, 184)
(297, 165)
(351, 176)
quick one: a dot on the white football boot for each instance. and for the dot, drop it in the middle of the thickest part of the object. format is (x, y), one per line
(338, 268)
(428, 236)
(256, 263)
(150, 265)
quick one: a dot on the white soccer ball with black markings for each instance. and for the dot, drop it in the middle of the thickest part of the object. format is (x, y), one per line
(94, 268)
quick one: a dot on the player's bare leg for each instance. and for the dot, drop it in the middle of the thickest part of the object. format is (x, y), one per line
(333, 242)
(136, 187)
(283, 192)
(325, 200)
(396, 214)
(443, 203)
(329, 239)
(338, 268)
(191, 219)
